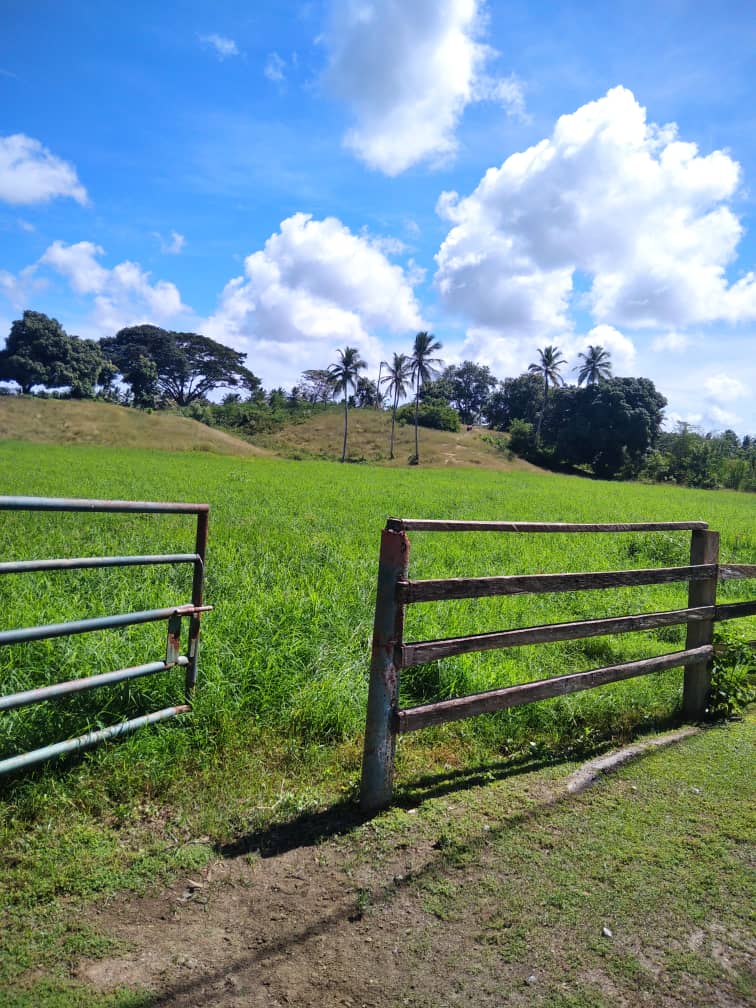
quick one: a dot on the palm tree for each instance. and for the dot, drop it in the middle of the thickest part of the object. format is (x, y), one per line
(397, 381)
(596, 366)
(423, 368)
(344, 374)
(549, 362)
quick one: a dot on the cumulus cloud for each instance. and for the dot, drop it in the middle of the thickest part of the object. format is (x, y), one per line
(408, 70)
(724, 388)
(30, 173)
(20, 288)
(674, 341)
(223, 46)
(614, 198)
(313, 287)
(123, 295)
(620, 347)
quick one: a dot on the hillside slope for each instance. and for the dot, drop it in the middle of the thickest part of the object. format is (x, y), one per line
(69, 421)
(320, 436)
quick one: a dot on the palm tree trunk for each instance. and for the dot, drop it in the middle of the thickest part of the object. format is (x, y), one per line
(417, 422)
(542, 411)
(346, 423)
(393, 422)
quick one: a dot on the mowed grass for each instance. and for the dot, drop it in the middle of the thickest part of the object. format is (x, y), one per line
(280, 703)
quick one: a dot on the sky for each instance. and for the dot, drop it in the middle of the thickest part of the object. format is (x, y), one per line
(290, 178)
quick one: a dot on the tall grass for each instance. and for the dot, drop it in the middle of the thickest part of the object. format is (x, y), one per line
(291, 572)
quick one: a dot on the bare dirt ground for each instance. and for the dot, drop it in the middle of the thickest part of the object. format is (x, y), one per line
(392, 912)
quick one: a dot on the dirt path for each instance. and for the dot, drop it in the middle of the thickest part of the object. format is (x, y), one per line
(420, 907)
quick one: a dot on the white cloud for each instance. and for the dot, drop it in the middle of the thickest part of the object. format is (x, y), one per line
(223, 46)
(723, 418)
(408, 70)
(30, 173)
(724, 388)
(275, 68)
(313, 287)
(640, 213)
(674, 341)
(123, 295)
(621, 348)
(174, 246)
(20, 288)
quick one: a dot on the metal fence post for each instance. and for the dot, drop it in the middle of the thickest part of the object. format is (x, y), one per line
(704, 549)
(198, 588)
(383, 691)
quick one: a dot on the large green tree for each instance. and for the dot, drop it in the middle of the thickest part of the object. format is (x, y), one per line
(397, 382)
(345, 374)
(181, 366)
(610, 426)
(519, 398)
(471, 386)
(40, 352)
(424, 367)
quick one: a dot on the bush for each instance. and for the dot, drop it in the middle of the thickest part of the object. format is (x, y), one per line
(733, 682)
(522, 438)
(435, 415)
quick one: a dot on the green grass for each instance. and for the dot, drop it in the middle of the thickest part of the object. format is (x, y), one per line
(659, 853)
(283, 675)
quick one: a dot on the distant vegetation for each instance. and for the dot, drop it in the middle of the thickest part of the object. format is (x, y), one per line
(606, 426)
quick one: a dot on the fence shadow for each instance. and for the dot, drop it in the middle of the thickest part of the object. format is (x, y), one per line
(312, 828)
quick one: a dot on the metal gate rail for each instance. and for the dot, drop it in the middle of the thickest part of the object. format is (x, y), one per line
(172, 614)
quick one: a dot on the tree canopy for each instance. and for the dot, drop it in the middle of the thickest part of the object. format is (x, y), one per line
(40, 352)
(181, 366)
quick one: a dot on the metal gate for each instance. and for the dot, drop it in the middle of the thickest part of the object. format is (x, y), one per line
(174, 616)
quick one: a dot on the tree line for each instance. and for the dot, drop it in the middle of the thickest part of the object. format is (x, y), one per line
(605, 425)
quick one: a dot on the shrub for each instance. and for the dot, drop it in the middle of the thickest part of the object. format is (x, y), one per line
(733, 682)
(432, 414)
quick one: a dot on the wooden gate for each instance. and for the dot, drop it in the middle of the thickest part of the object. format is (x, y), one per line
(391, 654)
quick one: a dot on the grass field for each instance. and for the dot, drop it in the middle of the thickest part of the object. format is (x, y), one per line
(291, 570)
(283, 676)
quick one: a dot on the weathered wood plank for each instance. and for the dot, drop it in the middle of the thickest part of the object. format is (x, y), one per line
(419, 652)
(383, 688)
(728, 572)
(441, 589)
(734, 610)
(435, 525)
(704, 549)
(513, 696)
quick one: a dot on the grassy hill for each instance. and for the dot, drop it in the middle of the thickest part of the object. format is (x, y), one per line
(69, 421)
(321, 436)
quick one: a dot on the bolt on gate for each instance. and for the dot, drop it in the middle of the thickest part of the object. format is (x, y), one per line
(173, 615)
(390, 653)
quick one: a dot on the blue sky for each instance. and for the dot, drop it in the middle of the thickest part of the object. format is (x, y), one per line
(290, 178)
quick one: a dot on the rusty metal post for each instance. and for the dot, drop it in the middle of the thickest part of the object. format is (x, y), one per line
(198, 587)
(383, 691)
(173, 641)
(704, 549)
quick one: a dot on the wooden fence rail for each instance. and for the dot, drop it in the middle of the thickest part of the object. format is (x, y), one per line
(390, 653)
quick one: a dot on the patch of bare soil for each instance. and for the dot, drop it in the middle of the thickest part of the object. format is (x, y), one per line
(357, 916)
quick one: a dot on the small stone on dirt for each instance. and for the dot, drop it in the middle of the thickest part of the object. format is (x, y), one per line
(532, 979)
